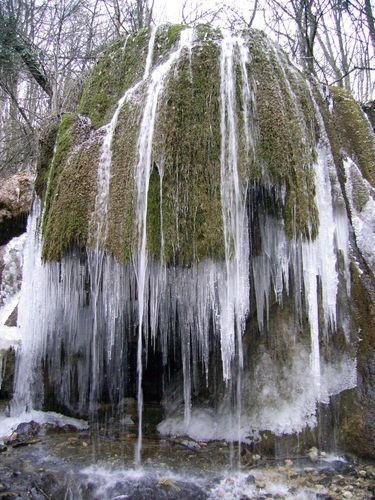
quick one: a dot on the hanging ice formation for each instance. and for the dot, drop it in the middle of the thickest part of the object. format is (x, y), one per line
(84, 318)
(11, 275)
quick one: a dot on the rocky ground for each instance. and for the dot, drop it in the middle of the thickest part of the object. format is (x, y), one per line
(41, 461)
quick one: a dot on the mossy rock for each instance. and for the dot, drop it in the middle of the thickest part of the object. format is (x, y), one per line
(187, 144)
(119, 68)
(286, 143)
(70, 194)
(356, 137)
(186, 201)
(46, 147)
(166, 38)
(121, 215)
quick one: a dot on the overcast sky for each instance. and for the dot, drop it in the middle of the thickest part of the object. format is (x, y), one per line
(170, 10)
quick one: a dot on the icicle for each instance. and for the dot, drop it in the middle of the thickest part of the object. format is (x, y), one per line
(235, 295)
(28, 387)
(99, 223)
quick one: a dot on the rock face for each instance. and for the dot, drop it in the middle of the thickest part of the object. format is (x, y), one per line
(209, 210)
(16, 195)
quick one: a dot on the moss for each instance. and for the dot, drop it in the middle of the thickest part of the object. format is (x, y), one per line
(64, 142)
(121, 216)
(45, 155)
(187, 144)
(356, 410)
(186, 149)
(360, 191)
(165, 38)
(285, 148)
(118, 69)
(329, 126)
(71, 190)
(355, 132)
(206, 33)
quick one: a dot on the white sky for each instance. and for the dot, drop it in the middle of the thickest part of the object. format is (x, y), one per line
(170, 10)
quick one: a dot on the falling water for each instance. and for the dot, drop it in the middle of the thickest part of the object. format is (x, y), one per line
(142, 175)
(87, 308)
(235, 222)
(99, 219)
(28, 385)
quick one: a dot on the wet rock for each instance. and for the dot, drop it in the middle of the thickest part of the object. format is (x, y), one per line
(259, 483)
(19, 444)
(192, 445)
(15, 204)
(326, 481)
(127, 420)
(250, 479)
(9, 363)
(342, 467)
(313, 454)
(168, 483)
(309, 470)
(27, 429)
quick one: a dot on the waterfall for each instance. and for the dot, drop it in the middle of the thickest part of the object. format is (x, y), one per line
(99, 218)
(10, 285)
(83, 319)
(142, 175)
(28, 387)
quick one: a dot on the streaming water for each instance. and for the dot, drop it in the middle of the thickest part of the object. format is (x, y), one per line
(78, 316)
(142, 175)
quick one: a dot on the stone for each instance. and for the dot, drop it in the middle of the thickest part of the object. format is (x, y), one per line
(347, 494)
(250, 479)
(15, 204)
(259, 483)
(27, 429)
(313, 454)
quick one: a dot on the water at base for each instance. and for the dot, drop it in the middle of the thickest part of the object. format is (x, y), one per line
(61, 465)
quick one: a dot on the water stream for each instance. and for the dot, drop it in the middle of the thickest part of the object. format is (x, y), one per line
(95, 332)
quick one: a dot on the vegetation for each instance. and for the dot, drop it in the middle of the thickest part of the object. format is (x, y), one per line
(285, 147)
(70, 194)
(184, 199)
(120, 67)
(355, 133)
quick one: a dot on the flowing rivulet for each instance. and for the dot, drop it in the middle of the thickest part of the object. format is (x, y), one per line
(202, 308)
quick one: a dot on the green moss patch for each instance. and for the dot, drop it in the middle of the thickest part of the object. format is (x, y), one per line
(166, 37)
(285, 147)
(184, 199)
(356, 136)
(120, 67)
(70, 195)
(45, 155)
(187, 147)
(121, 215)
